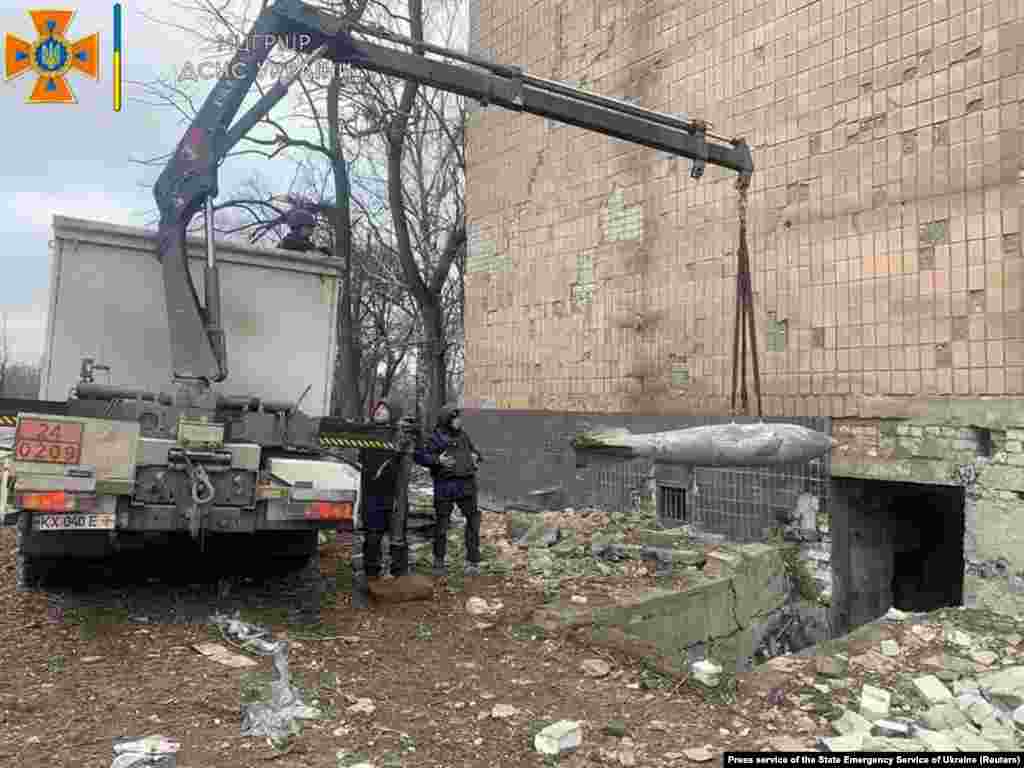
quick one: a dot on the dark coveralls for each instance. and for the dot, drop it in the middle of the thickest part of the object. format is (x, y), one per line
(380, 475)
(455, 486)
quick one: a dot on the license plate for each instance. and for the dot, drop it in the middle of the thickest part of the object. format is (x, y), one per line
(48, 442)
(74, 522)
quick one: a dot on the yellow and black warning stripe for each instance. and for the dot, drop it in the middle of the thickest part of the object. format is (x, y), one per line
(8, 421)
(355, 441)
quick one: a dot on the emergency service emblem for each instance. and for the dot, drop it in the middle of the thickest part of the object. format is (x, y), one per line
(51, 57)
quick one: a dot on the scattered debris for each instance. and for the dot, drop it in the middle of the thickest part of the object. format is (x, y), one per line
(850, 722)
(578, 599)
(218, 653)
(874, 703)
(892, 728)
(707, 672)
(478, 606)
(558, 738)
(503, 711)
(277, 718)
(626, 753)
(616, 728)
(699, 754)
(596, 668)
(831, 666)
(147, 752)
(890, 648)
(958, 637)
(932, 689)
(362, 707)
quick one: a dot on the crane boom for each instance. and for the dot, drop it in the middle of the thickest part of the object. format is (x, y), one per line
(190, 178)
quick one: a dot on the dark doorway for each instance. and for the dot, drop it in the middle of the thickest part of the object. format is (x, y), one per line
(895, 544)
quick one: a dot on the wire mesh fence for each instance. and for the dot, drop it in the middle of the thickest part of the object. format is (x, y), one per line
(741, 504)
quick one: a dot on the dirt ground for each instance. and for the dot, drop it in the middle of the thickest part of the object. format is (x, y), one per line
(75, 679)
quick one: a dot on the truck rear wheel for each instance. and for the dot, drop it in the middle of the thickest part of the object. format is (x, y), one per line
(30, 571)
(294, 559)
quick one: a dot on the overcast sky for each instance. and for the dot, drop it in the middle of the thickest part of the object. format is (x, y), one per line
(76, 160)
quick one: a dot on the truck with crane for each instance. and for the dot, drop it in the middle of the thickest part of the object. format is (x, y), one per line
(115, 460)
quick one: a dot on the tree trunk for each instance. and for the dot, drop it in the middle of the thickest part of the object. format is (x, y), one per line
(347, 373)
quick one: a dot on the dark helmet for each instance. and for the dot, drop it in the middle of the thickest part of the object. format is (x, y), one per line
(300, 217)
(448, 412)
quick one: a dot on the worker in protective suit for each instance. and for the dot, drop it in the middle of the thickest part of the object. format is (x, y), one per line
(453, 461)
(383, 471)
(301, 224)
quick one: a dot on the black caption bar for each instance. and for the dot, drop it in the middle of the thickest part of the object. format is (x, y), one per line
(871, 759)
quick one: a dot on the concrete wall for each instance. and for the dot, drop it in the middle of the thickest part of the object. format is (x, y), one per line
(885, 210)
(977, 446)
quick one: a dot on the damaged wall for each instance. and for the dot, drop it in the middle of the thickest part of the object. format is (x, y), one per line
(975, 446)
(884, 215)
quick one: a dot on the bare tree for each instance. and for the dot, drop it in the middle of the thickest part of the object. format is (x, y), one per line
(408, 143)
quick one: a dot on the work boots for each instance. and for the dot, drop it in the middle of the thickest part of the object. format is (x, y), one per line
(440, 570)
(399, 560)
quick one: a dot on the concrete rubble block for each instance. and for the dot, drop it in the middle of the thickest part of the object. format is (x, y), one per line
(935, 741)
(1018, 716)
(977, 709)
(721, 563)
(850, 743)
(668, 538)
(966, 685)
(882, 744)
(932, 689)
(759, 578)
(699, 754)
(1003, 737)
(968, 740)
(596, 668)
(851, 722)
(985, 658)
(874, 703)
(890, 648)
(831, 666)
(559, 738)
(957, 637)
(707, 672)
(1005, 686)
(891, 729)
(944, 717)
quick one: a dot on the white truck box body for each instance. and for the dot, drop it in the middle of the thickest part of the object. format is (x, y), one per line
(107, 302)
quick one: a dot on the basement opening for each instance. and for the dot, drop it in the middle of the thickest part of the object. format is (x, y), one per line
(897, 545)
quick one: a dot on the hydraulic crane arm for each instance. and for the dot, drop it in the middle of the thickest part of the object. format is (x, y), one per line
(190, 179)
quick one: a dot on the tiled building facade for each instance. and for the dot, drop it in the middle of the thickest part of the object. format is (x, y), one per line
(884, 214)
(885, 230)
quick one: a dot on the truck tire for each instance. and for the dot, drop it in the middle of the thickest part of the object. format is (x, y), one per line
(30, 572)
(305, 586)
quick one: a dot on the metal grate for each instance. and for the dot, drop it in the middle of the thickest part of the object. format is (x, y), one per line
(671, 503)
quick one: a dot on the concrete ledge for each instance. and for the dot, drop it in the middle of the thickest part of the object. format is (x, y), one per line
(727, 611)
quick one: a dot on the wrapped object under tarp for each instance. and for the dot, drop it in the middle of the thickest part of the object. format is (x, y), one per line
(718, 445)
